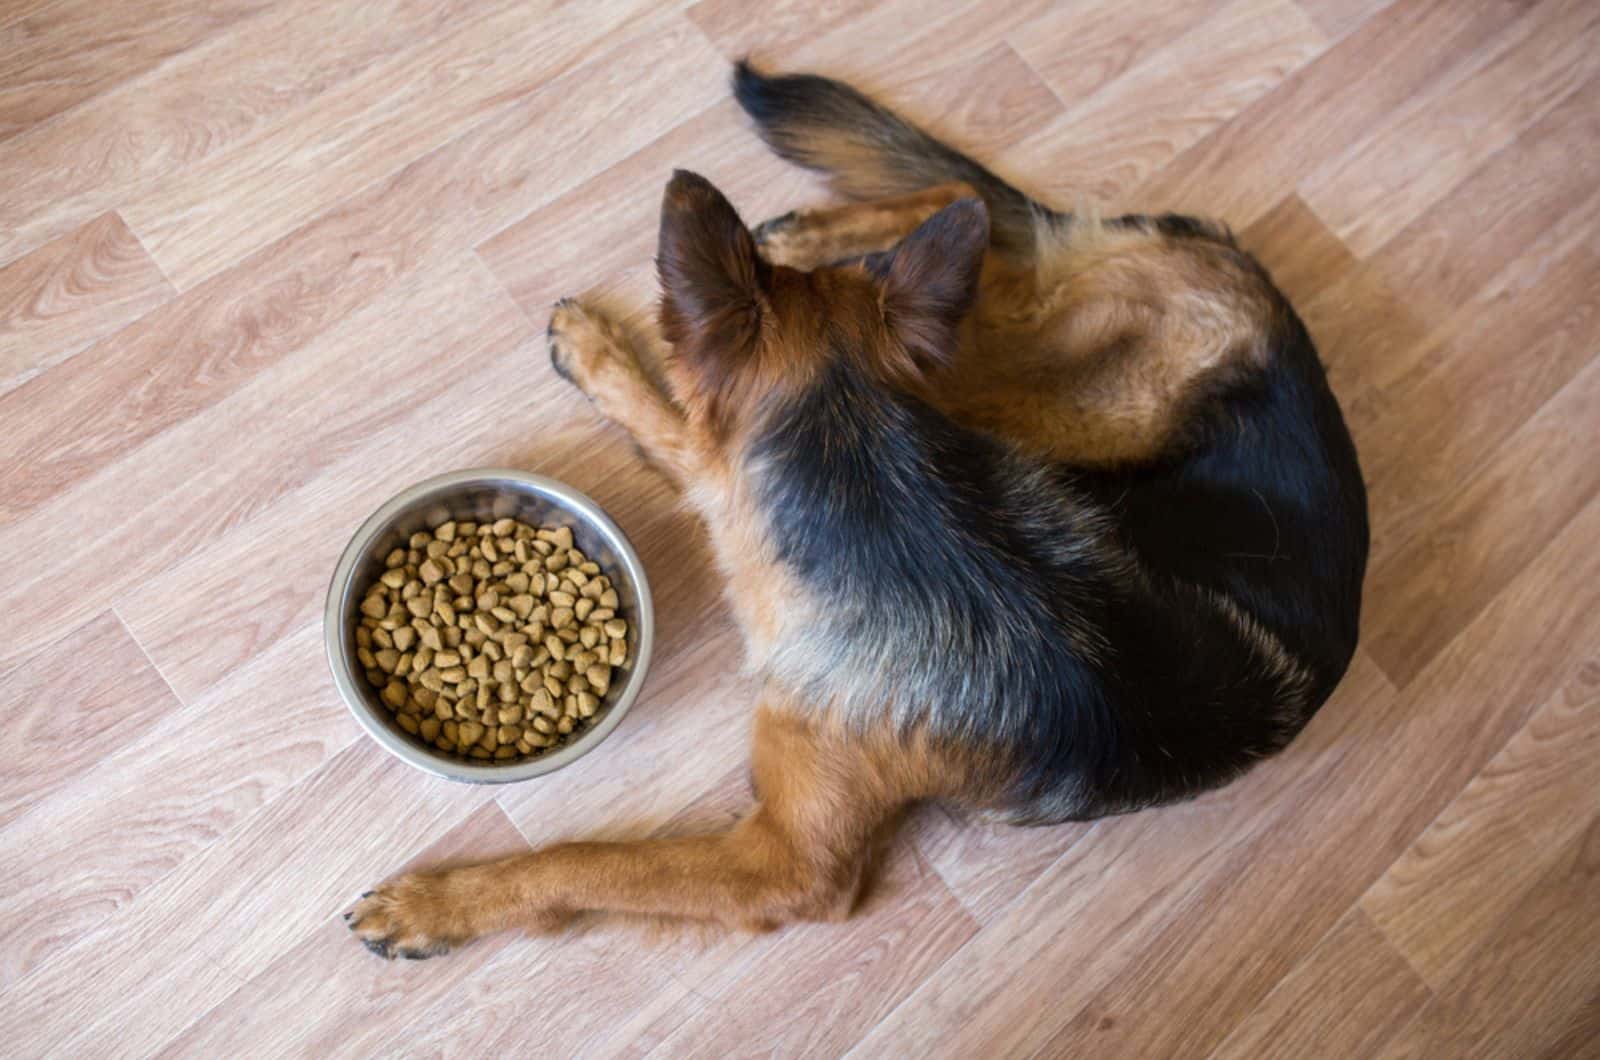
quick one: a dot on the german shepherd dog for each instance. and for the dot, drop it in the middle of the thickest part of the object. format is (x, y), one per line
(1048, 517)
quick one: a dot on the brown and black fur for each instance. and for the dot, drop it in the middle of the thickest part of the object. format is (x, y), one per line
(1049, 517)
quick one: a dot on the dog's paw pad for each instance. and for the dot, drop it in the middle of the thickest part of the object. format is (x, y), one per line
(398, 920)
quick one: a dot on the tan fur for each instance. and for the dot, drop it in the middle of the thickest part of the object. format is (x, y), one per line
(589, 346)
(1096, 354)
(809, 239)
(1093, 352)
(801, 853)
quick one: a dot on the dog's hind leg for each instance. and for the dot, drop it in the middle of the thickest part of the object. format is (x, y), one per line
(800, 854)
(809, 239)
(590, 351)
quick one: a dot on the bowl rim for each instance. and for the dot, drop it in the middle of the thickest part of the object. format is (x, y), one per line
(413, 754)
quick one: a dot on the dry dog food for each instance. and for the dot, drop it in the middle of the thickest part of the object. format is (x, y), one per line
(491, 640)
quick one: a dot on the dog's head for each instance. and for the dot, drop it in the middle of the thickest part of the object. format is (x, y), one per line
(745, 332)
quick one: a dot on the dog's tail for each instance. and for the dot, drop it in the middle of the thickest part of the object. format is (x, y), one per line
(869, 152)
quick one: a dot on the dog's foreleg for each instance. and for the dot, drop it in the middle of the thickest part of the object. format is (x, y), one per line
(589, 350)
(799, 854)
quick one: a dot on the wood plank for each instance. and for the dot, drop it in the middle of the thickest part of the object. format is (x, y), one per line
(832, 980)
(1372, 192)
(738, 28)
(1475, 541)
(1352, 994)
(1305, 259)
(1575, 1035)
(367, 373)
(108, 150)
(1475, 863)
(237, 906)
(72, 421)
(82, 856)
(217, 212)
(1538, 968)
(1078, 49)
(927, 40)
(1111, 141)
(1341, 17)
(603, 987)
(62, 54)
(65, 295)
(1522, 339)
(985, 864)
(1245, 166)
(70, 705)
(1447, 254)
(326, 996)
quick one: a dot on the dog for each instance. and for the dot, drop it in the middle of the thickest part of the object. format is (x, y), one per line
(1045, 516)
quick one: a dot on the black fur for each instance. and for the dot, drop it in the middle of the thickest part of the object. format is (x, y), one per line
(1107, 675)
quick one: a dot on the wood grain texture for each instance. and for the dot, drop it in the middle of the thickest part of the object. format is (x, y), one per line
(216, 212)
(1371, 193)
(1377, 990)
(64, 296)
(61, 54)
(238, 905)
(1117, 136)
(1539, 968)
(1495, 840)
(194, 351)
(1339, 17)
(1446, 255)
(1322, 108)
(109, 150)
(73, 703)
(284, 1008)
(81, 854)
(367, 206)
(1476, 540)
(1522, 338)
(1079, 49)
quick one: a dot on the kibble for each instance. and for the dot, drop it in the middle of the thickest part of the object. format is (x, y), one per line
(492, 641)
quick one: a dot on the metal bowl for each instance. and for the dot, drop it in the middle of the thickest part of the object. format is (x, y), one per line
(480, 495)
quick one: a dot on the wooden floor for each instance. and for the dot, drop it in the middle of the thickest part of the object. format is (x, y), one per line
(265, 262)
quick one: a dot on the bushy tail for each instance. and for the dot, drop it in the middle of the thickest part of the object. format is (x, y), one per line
(869, 152)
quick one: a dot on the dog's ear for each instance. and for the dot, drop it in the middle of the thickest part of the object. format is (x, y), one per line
(711, 277)
(932, 281)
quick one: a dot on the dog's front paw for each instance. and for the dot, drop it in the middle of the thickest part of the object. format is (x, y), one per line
(584, 344)
(411, 917)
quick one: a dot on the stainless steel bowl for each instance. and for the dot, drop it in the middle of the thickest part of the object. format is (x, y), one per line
(479, 495)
